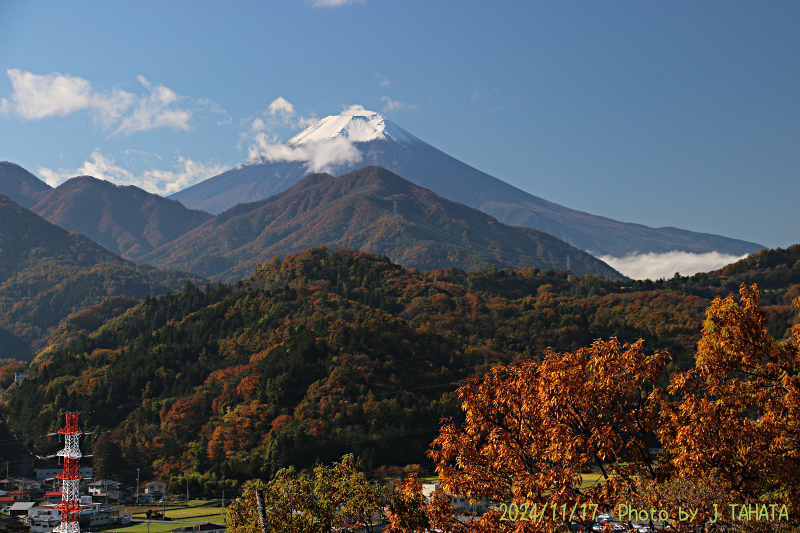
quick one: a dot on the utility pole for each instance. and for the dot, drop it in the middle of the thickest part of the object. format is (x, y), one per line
(137, 486)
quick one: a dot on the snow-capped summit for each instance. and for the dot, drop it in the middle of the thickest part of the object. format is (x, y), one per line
(357, 138)
(357, 125)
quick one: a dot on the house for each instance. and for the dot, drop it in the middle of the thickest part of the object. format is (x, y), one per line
(22, 495)
(20, 508)
(5, 501)
(208, 527)
(86, 472)
(106, 488)
(43, 518)
(53, 497)
(158, 489)
(459, 502)
(20, 484)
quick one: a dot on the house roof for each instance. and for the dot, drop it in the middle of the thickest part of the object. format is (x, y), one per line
(20, 506)
(104, 483)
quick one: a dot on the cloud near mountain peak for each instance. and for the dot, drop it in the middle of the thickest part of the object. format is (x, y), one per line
(320, 156)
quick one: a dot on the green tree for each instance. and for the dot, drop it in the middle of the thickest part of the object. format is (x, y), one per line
(338, 497)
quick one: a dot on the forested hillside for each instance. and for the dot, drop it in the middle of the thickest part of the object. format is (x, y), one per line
(320, 354)
(127, 220)
(20, 185)
(370, 209)
(47, 273)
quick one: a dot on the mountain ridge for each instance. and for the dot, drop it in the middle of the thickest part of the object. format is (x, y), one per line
(20, 185)
(428, 167)
(357, 210)
(127, 220)
(48, 273)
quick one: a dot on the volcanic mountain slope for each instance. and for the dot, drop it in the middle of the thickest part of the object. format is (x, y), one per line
(20, 185)
(366, 138)
(373, 210)
(47, 273)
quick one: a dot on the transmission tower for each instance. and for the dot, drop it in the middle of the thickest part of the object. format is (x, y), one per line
(70, 477)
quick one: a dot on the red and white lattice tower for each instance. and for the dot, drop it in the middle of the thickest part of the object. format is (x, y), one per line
(70, 477)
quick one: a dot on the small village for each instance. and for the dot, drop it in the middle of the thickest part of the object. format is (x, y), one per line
(31, 504)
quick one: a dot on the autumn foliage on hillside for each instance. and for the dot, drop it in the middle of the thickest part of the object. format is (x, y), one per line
(717, 450)
(47, 273)
(326, 353)
(723, 435)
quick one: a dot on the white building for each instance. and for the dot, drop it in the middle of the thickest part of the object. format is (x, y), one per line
(106, 488)
(158, 489)
(43, 518)
(459, 502)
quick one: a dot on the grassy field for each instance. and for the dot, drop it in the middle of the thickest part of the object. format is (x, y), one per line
(180, 514)
(194, 512)
(155, 527)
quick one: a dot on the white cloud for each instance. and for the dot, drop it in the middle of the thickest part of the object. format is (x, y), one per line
(322, 156)
(157, 111)
(282, 112)
(383, 81)
(185, 173)
(258, 125)
(36, 97)
(664, 265)
(334, 3)
(281, 106)
(393, 105)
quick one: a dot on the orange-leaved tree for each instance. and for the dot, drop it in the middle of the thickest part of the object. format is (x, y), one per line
(736, 414)
(728, 428)
(532, 428)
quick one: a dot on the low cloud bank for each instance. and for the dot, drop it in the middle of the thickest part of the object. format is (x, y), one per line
(664, 265)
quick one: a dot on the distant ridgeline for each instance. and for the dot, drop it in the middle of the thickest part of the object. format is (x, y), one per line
(323, 353)
(370, 209)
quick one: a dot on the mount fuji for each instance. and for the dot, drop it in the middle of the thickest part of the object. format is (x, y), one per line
(338, 144)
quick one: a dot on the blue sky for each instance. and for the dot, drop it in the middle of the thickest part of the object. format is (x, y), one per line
(681, 114)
